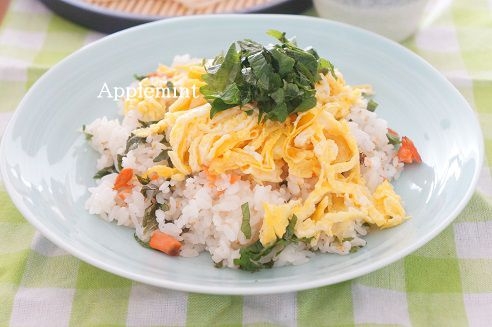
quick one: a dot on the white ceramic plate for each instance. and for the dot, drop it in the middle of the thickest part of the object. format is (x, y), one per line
(47, 165)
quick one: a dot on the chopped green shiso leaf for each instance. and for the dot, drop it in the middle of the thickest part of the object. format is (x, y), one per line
(105, 171)
(280, 79)
(245, 224)
(393, 139)
(372, 105)
(253, 257)
(139, 77)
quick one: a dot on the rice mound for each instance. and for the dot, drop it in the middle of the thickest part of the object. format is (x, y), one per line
(206, 215)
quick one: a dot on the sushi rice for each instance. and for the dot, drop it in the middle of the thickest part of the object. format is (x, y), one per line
(206, 215)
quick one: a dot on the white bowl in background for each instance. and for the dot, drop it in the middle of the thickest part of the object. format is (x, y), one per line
(395, 19)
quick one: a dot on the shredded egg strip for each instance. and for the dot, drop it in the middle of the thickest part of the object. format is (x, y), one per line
(314, 144)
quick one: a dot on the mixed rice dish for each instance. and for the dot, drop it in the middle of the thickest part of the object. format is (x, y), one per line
(262, 157)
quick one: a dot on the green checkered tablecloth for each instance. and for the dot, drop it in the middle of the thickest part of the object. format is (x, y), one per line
(448, 282)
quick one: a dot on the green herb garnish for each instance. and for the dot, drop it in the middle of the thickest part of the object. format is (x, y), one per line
(280, 79)
(393, 139)
(170, 85)
(103, 172)
(281, 36)
(149, 222)
(147, 123)
(88, 136)
(142, 243)
(162, 156)
(133, 142)
(119, 160)
(164, 207)
(219, 264)
(354, 249)
(149, 190)
(143, 180)
(252, 256)
(372, 105)
(139, 77)
(245, 225)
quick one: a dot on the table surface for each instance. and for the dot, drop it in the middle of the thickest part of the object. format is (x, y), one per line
(448, 282)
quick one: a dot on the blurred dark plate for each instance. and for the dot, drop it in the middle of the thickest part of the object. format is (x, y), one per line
(109, 20)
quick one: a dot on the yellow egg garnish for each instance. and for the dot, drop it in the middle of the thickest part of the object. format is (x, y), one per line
(275, 222)
(315, 145)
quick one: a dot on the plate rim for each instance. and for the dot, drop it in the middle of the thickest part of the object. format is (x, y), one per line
(248, 289)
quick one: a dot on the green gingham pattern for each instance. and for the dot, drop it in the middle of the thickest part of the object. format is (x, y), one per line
(448, 282)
